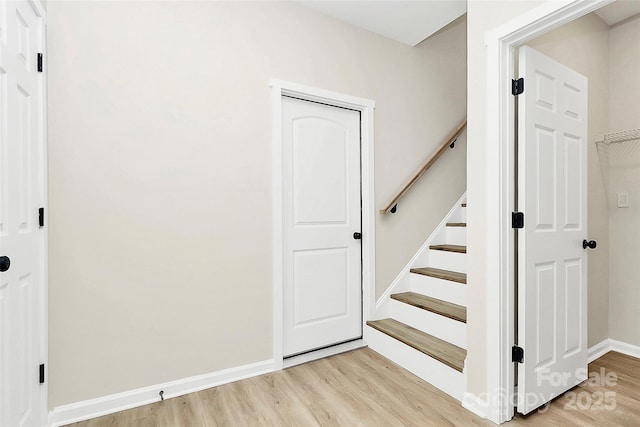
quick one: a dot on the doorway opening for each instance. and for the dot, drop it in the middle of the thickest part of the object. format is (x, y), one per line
(501, 45)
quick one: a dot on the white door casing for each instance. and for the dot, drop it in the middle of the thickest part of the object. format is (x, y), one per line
(22, 193)
(552, 271)
(499, 247)
(321, 212)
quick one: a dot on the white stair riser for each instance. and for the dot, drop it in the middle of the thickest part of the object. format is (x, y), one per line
(457, 236)
(463, 214)
(434, 324)
(445, 260)
(445, 290)
(437, 374)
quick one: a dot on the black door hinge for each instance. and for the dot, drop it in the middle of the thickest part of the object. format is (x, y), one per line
(40, 62)
(41, 217)
(42, 374)
(517, 354)
(517, 86)
(517, 220)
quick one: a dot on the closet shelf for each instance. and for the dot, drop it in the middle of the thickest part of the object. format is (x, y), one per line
(623, 136)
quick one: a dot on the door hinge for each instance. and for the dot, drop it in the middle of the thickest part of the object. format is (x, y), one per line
(517, 220)
(42, 373)
(517, 86)
(41, 217)
(517, 354)
(40, 55)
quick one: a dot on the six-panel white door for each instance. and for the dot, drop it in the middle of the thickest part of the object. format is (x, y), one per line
(22, 193)
(552, 279)
(321, 212)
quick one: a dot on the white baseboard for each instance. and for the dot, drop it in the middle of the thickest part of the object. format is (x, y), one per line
(473, 403)
(624, 348)
(608, 345)
(79, 411)
(598, 350)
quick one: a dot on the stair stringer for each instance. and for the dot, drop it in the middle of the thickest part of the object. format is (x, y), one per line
(402, 282)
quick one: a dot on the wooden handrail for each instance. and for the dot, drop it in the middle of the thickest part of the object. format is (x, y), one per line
(448, 142)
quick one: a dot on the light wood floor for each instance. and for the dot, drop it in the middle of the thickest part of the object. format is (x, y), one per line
(362, 388)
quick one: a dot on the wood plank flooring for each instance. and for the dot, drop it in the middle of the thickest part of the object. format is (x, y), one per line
(362, 388)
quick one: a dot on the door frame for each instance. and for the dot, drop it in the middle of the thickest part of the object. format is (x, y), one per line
(501, 43)
(366, 108)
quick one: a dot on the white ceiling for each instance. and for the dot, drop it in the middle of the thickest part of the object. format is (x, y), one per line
(412, 21)
(619, 11)
(408, 22)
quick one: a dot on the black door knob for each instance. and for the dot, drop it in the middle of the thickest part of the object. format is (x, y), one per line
(357, 236)
(5, 263)
(591, 244)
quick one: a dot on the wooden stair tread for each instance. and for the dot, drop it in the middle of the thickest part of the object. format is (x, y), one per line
(450, 248)
(464, 205)
(456, 224)
(444, 352)
(452, 276)
(443, 308)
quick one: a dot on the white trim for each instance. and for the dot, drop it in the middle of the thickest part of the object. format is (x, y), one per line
(607, 345)
(67, 414)
(322, 353)
(599, 350)
(500, 44)
(474, 404)
(366, 108)
(625, 348)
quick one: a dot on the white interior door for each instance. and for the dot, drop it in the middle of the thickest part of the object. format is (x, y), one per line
(22, 193)
(552, 270)
(321, 212)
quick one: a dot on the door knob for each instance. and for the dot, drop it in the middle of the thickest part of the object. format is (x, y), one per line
(357, 236)
(591, 244)
(5, 263)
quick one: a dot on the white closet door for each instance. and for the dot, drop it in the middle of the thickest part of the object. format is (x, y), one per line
(552, 270)
(22, 158)
(321, 213)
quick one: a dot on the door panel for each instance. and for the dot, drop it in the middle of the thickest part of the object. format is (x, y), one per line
(321, 211)
(22, 193)
(552, 135)
(320, 285)
(320, 171)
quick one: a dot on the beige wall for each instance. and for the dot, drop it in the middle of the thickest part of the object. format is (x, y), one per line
(433, 106)
(624, 174)
(568, 45)
(160, 193)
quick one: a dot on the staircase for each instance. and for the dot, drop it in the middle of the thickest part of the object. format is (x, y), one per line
(423, 315)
